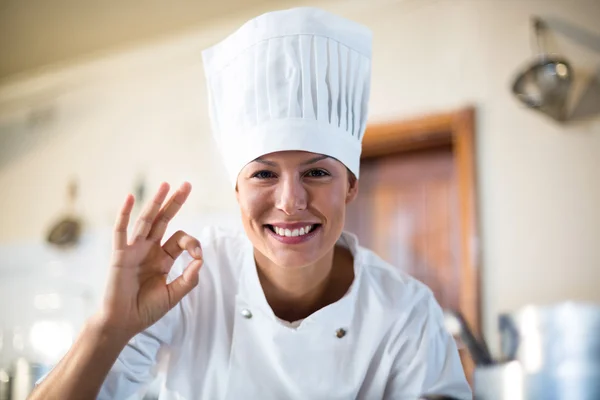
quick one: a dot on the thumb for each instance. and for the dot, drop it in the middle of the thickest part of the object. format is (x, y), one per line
(184, 283)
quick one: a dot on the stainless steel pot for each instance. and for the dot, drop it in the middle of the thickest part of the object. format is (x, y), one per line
(548, 352)
(558, 349)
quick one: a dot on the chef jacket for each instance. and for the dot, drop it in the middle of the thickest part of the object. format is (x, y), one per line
(385, 339)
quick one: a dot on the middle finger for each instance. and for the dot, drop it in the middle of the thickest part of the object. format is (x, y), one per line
(169, 211)
(148, 214)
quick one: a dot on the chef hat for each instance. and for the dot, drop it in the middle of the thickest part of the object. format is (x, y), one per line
(296, 79)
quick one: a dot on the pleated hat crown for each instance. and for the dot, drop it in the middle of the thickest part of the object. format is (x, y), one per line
(296, 79)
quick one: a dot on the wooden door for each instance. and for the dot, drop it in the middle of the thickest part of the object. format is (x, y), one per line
(406, 211)
(417, 207)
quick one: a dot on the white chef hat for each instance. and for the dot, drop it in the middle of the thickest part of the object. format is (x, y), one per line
(296, 79)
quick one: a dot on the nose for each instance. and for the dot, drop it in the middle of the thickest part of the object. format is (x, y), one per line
(291, 196)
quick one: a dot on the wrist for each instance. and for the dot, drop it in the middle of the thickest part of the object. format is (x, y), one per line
(106, 332)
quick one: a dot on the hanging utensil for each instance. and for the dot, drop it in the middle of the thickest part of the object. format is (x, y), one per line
(140, 193)
(544, 85)
(67, 231)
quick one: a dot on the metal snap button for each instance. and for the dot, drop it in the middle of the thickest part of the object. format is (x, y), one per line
(340, 333)
(246, 313)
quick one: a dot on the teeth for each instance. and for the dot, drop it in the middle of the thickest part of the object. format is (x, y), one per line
(292, 233)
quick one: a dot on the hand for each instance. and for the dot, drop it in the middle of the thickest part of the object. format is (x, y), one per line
(137, 294)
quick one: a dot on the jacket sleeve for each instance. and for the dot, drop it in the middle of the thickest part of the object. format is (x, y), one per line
(135, 368)
(427, 362)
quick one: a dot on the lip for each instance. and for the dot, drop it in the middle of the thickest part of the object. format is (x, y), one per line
(294, 239)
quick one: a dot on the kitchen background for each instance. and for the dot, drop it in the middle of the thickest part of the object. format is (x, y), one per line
(111, 95)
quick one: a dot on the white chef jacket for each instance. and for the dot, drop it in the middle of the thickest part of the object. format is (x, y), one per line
(385, 339)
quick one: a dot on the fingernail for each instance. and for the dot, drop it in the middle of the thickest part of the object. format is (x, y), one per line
(198, 252)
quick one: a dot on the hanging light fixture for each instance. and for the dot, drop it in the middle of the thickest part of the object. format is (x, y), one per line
(544, 85)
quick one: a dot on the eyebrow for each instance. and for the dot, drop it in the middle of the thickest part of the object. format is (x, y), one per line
(307, 162)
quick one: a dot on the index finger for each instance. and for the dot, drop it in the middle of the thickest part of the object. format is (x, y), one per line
(166, 214)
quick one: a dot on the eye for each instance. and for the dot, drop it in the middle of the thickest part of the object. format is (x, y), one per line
(317, 173)
(263, 175)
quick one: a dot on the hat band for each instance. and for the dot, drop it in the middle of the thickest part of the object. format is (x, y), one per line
(297, 134)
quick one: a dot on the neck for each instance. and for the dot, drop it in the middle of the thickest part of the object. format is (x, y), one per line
(296, 293)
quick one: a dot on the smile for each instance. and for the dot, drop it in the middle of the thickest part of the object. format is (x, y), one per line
(293, 235)
(292, 232)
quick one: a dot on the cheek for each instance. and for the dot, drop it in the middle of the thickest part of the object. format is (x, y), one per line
(253, 203)
(332, 203)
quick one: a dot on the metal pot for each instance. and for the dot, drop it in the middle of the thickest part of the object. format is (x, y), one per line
(558, 349)
(547, 352)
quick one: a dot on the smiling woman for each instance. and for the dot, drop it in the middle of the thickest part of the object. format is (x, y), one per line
(293, 207)
(290, 307)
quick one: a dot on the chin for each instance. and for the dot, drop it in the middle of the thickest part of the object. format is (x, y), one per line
(295, 261)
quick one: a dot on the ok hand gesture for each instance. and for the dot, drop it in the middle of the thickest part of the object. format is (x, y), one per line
(137, 294)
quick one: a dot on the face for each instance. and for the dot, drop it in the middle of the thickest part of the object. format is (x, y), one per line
(293, 205)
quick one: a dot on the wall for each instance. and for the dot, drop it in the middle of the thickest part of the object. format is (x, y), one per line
(145, 111)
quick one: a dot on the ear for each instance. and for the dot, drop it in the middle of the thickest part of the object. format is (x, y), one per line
(352, 188)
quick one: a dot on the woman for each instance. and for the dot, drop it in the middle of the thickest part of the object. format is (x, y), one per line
(292, 307)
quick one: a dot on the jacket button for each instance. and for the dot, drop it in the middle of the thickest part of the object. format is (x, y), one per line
(340, 333)
(246, 313)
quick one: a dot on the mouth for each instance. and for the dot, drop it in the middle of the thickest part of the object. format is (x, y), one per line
(295, 235)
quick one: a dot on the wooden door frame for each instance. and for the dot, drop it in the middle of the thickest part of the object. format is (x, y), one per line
(456, 129)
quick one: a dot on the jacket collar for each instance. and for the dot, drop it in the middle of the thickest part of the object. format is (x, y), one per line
(334, 316)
